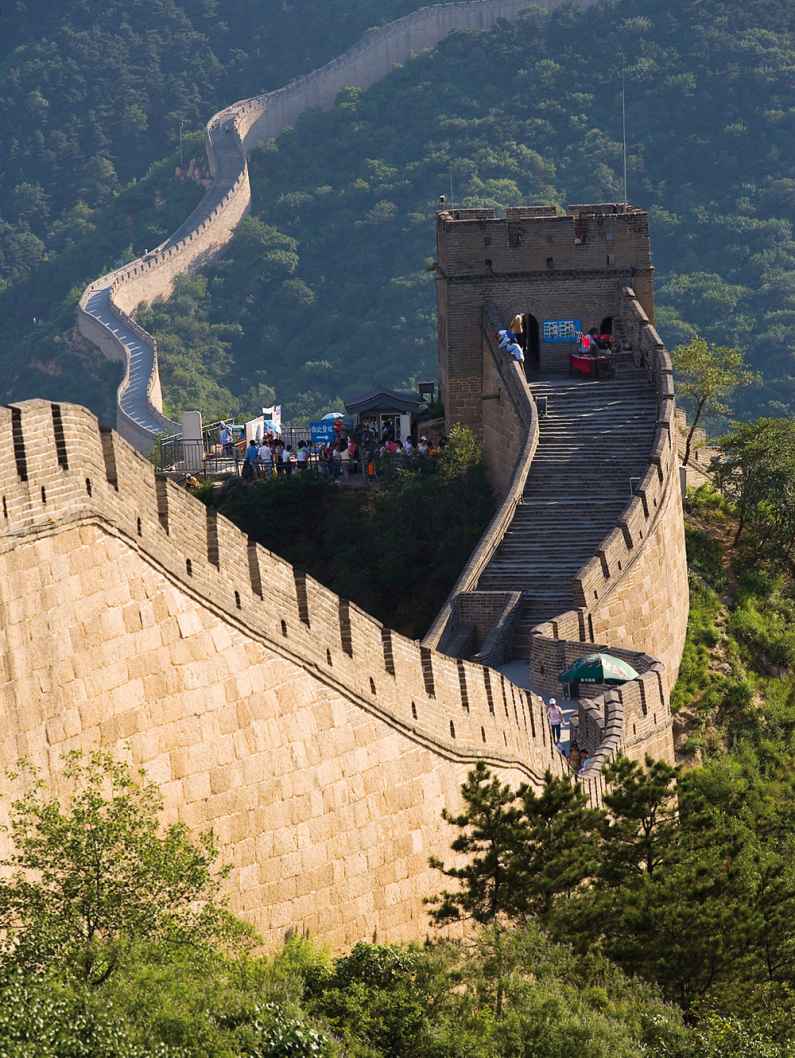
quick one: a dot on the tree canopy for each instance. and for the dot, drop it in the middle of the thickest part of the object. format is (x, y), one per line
(336, 297)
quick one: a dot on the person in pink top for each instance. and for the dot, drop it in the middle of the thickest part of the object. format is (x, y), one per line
(555, 717)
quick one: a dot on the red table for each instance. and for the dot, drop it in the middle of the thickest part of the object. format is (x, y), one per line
(587, 365)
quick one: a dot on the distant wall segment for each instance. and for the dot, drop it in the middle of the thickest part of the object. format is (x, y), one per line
(104, 312)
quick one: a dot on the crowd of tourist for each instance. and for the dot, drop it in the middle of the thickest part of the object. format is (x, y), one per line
(355, 452)
(271, 457)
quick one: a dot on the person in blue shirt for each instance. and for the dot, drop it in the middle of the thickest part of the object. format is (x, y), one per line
(225, 438)
(250, 461)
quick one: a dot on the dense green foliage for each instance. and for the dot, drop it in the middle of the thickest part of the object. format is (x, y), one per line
(738, 668)
(91, 97)
(339, 299)
(396, 551)
(510, 990)
(173, 989)
(689, 883)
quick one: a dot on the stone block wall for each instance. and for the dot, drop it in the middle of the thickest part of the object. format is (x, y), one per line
(319, 745)
(636, 588)
(633, 594)
(553, 267)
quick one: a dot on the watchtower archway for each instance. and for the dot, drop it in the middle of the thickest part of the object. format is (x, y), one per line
(531, 342)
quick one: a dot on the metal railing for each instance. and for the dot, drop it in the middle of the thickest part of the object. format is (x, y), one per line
(180, 458)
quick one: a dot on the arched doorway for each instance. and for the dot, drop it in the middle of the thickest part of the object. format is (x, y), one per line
(532, 342)
(606, 325)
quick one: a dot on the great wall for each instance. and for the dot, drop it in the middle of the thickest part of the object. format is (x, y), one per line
(319, 745)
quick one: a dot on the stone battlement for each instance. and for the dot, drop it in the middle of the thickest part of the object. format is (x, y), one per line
(632, 594)
(320, 745)
(62, 469)
(585, 239)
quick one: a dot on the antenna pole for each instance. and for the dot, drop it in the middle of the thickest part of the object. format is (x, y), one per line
(624, 126)
(452, 201)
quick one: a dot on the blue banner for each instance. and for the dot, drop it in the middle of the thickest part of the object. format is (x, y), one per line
(322, 432)
(559, 331)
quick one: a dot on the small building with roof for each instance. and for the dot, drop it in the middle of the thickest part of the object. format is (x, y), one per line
(387, 411)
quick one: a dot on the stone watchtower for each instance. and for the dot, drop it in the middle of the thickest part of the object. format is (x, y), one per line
(544, 265)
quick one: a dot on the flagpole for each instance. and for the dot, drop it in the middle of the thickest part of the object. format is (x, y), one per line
(624, 126)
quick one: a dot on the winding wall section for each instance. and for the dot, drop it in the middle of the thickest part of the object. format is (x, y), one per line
(106, 308)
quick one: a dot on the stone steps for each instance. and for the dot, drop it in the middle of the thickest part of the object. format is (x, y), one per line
(594, 437)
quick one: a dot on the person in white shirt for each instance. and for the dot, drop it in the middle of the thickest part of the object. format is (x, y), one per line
(555, 718)
(265, 460)
(408, 446)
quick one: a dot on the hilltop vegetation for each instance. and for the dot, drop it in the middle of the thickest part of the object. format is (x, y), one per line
(93, 97)
(122, 946)
(325, 290)
(328, 281)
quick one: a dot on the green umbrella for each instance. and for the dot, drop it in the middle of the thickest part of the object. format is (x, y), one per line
(598, 668)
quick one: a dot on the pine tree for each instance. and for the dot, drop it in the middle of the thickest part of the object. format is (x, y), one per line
(642, 820)
(489, 825)
(557, 847)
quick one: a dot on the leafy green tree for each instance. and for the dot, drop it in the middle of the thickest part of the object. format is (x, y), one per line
(720, 1036)
(383, 996)
(708, 374)
(86, 879)
(40, 1020)
(756, 473)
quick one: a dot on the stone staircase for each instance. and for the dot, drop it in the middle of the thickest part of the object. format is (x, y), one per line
(594, 437)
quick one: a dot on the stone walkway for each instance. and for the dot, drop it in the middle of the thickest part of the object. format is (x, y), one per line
(517, 671)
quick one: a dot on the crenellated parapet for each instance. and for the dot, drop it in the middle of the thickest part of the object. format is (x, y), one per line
(61, 469)
(630, 597)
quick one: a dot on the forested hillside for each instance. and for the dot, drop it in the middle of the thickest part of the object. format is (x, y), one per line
(91, 97)
(326, 289)
(328, 282)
